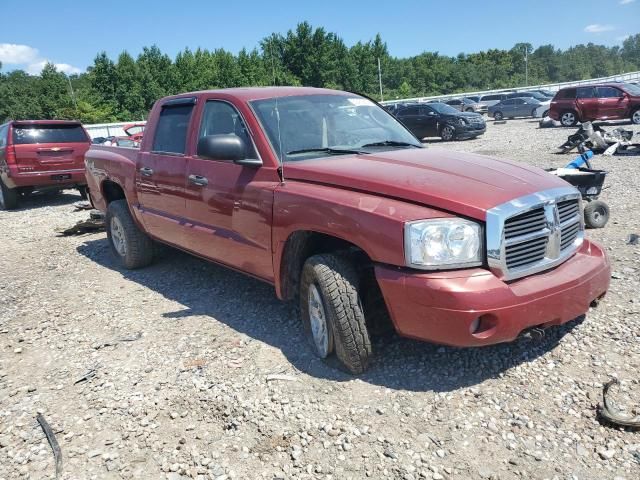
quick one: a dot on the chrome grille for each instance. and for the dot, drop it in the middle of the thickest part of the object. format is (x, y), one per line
(534, 233)
(569, 214)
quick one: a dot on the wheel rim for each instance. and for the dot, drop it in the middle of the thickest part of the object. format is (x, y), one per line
(117, 236)
(497, 116)
(447, 133)
(568, 118)
(318, 321)
(636, 117)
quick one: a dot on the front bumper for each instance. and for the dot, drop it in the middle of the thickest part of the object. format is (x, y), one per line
(469, 131)
(440, 307)
(50, 178)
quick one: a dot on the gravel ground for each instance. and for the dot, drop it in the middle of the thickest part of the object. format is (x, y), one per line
(199, 372)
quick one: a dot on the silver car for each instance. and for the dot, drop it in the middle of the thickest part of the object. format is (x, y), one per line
(514, 107)
(466, 105)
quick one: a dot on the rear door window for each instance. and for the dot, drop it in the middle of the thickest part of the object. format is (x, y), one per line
(568, 93)
(608, 92)
(409, 111)
(173, 125)
(48, 133)
(585, 92)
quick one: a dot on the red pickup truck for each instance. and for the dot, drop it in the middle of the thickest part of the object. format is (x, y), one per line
(41, 155)
(329, 198)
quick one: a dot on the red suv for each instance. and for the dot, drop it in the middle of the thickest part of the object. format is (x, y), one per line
(41, 155)
(607, 101)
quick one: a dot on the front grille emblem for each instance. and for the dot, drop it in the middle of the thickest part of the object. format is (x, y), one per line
(552, 217)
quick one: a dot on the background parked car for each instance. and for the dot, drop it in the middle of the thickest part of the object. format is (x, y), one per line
(607, 101)
(537, 95)
(41, 155)
(466, 105)
(441, 120)
(491, 99)
(514, 107)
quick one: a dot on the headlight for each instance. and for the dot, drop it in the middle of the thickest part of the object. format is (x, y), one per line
(462, 121)
(443, 243)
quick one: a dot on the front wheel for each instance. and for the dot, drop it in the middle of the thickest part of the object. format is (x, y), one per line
(568, 119)
(132, 247)
(331, 311)
(596, 214)
(498, 115)
(8, 197)
(635, 117)
(447, 133)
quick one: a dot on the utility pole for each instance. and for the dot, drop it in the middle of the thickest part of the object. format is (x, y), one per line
(73, 95)
(526, 66)
(380, 79)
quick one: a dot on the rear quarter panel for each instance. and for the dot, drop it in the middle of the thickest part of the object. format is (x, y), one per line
(116, 164)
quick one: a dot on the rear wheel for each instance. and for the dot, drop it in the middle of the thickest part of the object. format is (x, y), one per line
(596, 214)
(447, 133)
(568, 119)
(331, 311)
(8, 197)
(498, 115)
(129, 244)
(635, 117)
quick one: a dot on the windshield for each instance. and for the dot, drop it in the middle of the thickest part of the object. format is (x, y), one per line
(312, 126)
(631, 88)
(444, 108)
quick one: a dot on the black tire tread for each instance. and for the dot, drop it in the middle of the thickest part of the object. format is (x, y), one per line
(338, 281)
(589, 210)
(10, 196)
(139, 245)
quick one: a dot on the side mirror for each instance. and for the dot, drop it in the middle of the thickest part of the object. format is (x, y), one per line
(225, 147)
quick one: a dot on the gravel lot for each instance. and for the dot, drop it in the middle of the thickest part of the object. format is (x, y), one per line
(183, 352)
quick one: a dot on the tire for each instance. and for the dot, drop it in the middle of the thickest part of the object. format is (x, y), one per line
(545, 113)
(568, 118)
(331, 311)
(82, 190)
(132, 247)
(635, 116)
(498, 115)
(596, 214)
(8, 197)
(447, 133)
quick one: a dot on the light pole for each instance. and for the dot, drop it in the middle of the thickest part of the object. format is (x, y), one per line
(73, 95)
(526, 66)
(380, 79)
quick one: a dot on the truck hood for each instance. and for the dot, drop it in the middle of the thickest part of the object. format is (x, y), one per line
(462, 183)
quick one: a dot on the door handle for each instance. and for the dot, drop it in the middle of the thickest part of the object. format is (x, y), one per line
(146, 171)
(198, 180)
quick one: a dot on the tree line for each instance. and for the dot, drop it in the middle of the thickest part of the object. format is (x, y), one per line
(126, 88)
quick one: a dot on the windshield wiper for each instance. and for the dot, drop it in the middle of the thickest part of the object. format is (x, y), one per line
(390, 143)
(332, 151)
